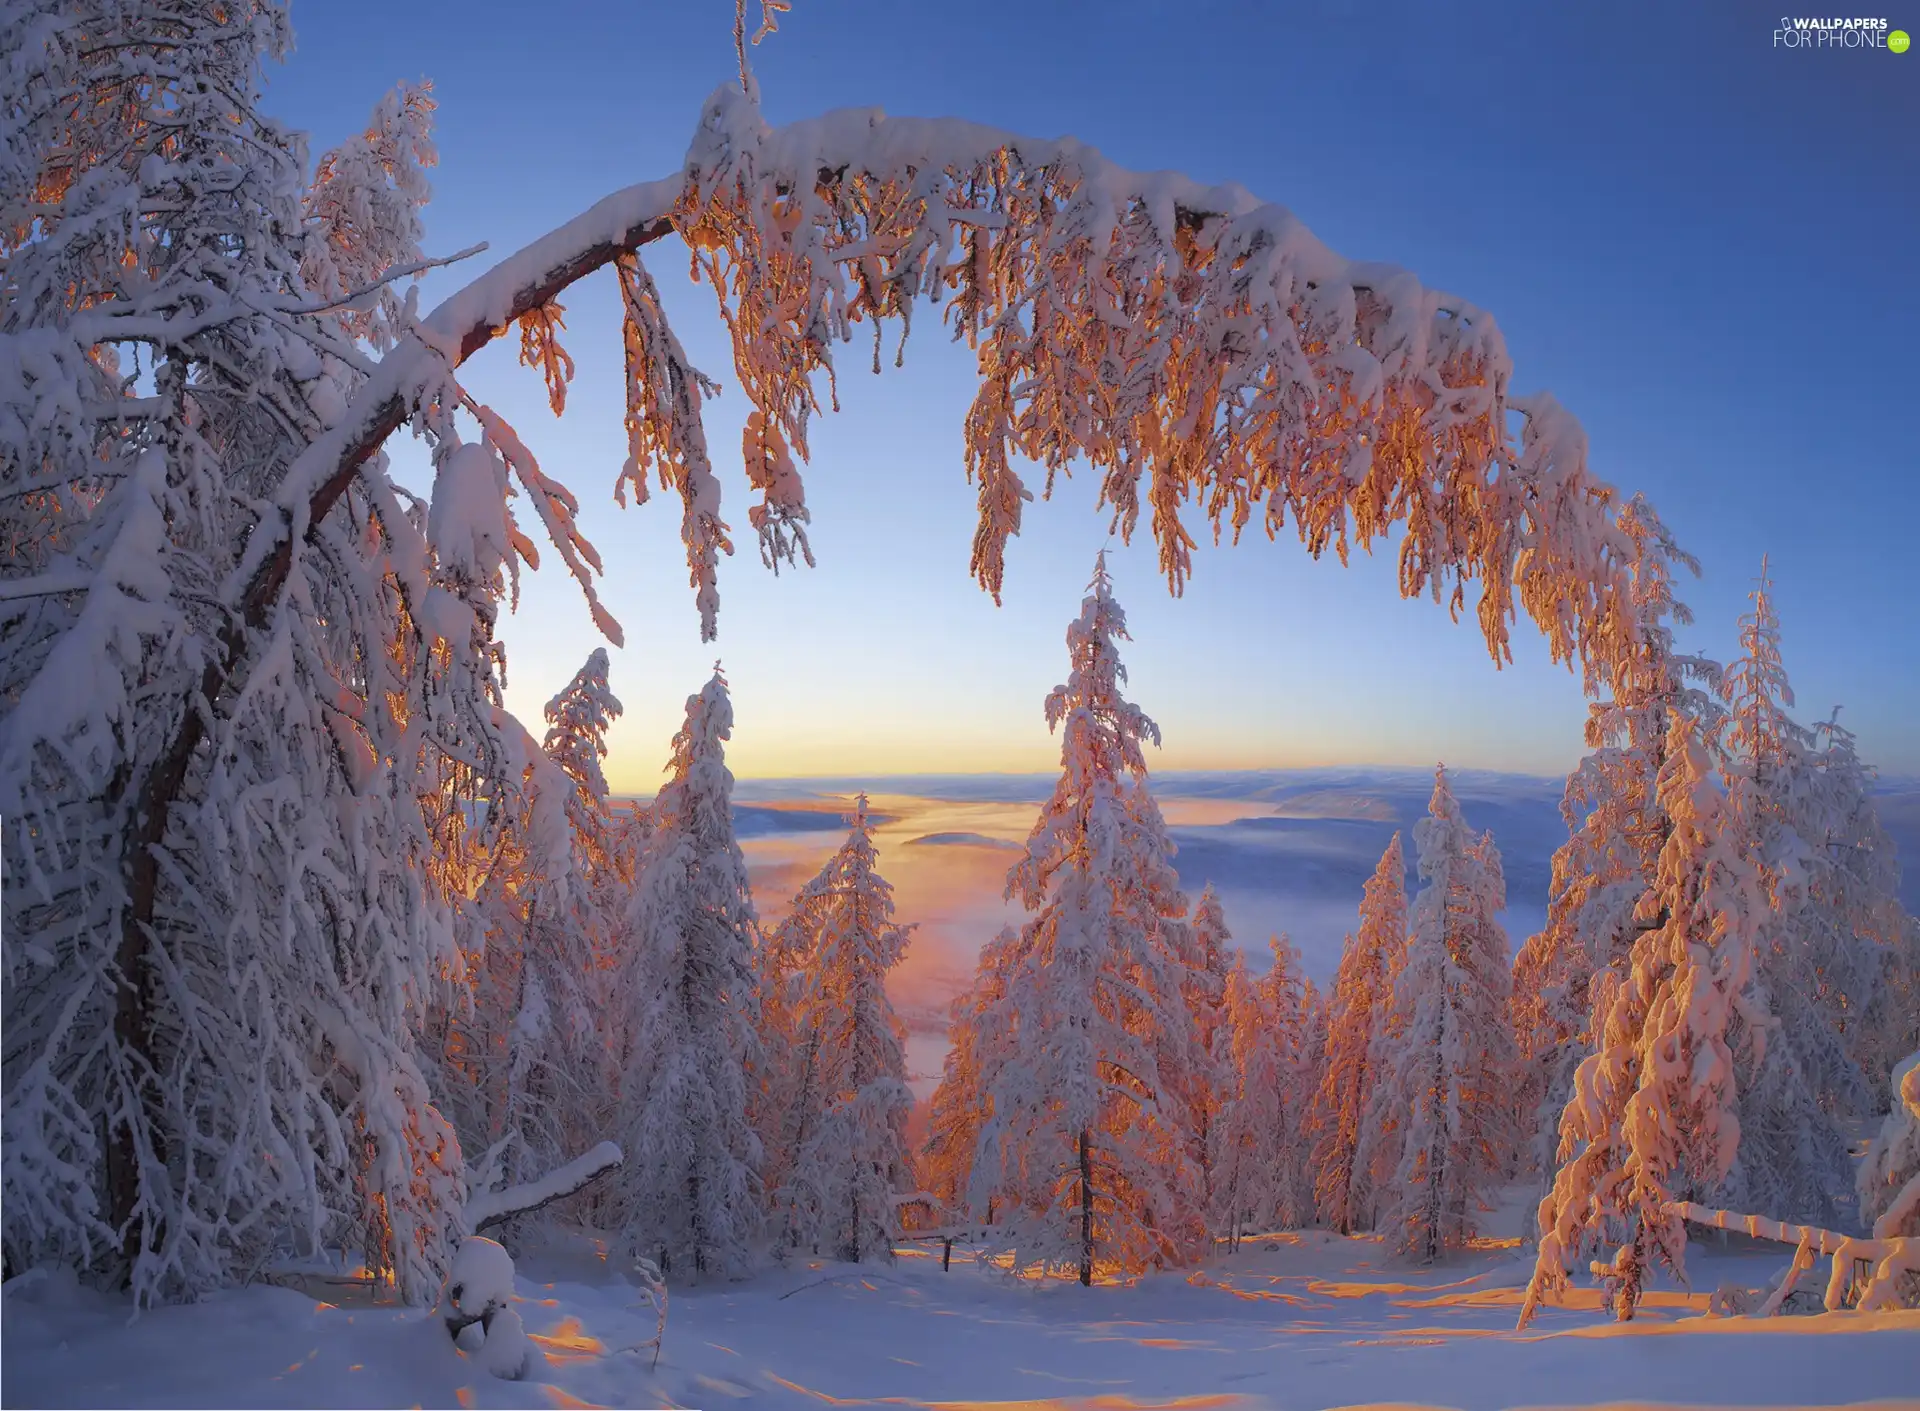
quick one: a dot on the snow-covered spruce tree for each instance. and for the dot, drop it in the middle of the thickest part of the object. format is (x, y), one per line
(1861, 889)
(224, 753)
(1263, 1184)
(527, 1071)
(577, 930)
(844, 1133)
(1445, 1077)
(688, 994)
(1652, 1116)
(1308, 1071)
(1212, 1089)
(1362, 995)
(1058, 266)
(1615, 834)
(477, 1035)
(1809, 829)
(963, 1101)
(1089, 1139)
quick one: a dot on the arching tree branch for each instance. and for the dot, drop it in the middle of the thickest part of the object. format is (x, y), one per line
(314, 485)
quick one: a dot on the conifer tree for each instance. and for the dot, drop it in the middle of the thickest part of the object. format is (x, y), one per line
(213, 567)
(1264, 1183)
(1615, 835)
(1653, 1119)
(1362, 996)
(524, 1065)
(1311, 1067)
(963, 1101)
(689, 1190)
(1808, 827)
(1089, 1139)
(572, 930)
(846, 1156)
(1446, 1073)
(222, 812)
(1212, 1041)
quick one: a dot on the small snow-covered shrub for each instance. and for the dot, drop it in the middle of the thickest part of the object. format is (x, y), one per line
(476, 1304)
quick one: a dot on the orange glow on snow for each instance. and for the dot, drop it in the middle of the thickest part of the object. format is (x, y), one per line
(569, 1342)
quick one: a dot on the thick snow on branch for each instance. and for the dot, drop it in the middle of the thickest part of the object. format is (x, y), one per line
(1190, 342)
(1893, 1259)
(490, 1207)
(416, 371)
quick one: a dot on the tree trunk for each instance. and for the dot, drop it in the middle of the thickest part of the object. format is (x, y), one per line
(1086, 1212)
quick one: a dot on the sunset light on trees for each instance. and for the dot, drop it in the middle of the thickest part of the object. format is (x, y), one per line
(331, 982)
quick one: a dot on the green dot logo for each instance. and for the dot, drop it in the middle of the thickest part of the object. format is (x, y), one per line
(1898, 41)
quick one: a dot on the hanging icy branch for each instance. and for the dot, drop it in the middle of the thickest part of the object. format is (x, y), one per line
(665, 392)
(491, 1207)
(1190, 343)
(1195, 346)
(415, 372)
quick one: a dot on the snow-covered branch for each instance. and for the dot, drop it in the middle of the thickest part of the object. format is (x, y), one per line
(486, 1208)
(1892, 1258)
(457, 328)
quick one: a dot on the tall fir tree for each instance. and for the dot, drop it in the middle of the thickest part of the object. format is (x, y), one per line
(1211, 1092)
(490, 1039)
(963, 1101)
(1447, 1072)
(1316, 1015)
(562, 1058)
(846, 1158)
(1089, 1141)
(1362, 995)
(1615, 834)
(689, 995)
(1264, 1184)
(1807, 825)
(1653, 1119)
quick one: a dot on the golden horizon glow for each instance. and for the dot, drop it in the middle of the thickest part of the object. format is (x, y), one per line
(841, 760)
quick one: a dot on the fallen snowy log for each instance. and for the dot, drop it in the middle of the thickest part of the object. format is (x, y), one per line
(1887, 1259)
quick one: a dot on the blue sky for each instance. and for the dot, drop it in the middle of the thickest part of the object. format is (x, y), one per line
(1702, 245)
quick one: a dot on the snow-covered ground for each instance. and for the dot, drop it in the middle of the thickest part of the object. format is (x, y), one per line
(1297, 1321)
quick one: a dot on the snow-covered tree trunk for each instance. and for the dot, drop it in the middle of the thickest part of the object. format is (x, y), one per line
(210, 792)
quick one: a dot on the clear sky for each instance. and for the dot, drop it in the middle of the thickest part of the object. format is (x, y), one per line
(1704, 246)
